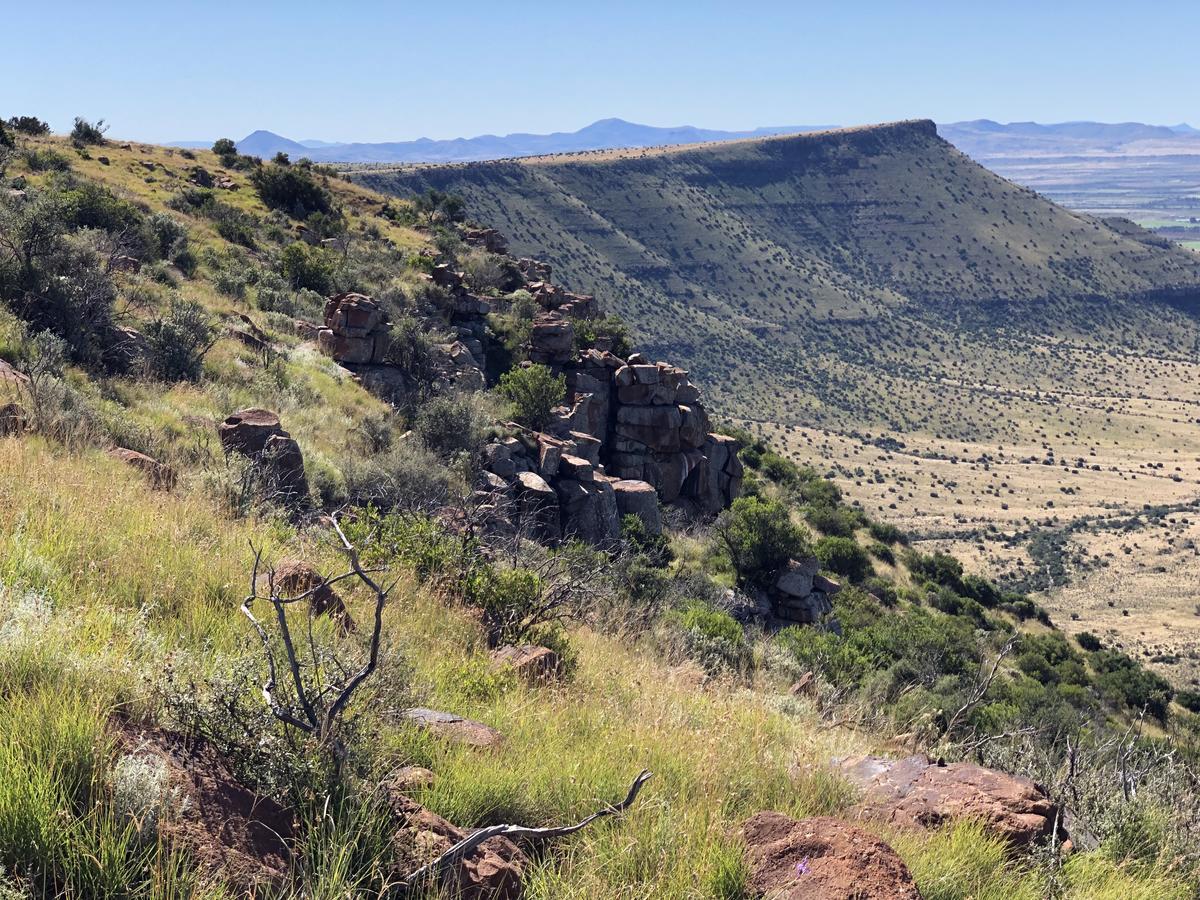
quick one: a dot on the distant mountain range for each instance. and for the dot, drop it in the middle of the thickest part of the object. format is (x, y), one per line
(981, 138)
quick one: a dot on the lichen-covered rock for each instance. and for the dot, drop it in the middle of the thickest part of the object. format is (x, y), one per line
(454, 728)
(919, 791)
(528, 661)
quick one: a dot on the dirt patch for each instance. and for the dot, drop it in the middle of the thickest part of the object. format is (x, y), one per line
(227, 829)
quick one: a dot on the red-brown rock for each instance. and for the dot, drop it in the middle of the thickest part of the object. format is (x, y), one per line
(248, 430)
(527, 661)
(918, 791)
(161, 476)
(226, 829)
(293, 577)
(491, 872)
(822, 859)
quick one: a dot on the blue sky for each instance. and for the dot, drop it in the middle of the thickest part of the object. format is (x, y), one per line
(374, 71)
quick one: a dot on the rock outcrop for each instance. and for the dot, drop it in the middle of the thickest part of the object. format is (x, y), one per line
(528, 661)
(800, 594)
(257, 435)
(492, 871)
(294, 577)
(223, 827)
(356, 330)
(919, 791)
(822, 858)
(630, 435)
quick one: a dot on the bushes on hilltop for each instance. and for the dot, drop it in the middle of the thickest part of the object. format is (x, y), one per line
(85, 132)
(30, 125)
(292, 188)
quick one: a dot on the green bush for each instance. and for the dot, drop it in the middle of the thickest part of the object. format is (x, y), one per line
(1189, 700)
(308, 267)
(712, 623)
(886, 533)
(1088, 641)
(30, 125)
(759, 537)
(292, 189)
(534, 391)
(451, 424)
(838, 521)
(843, 556)
(45, 159)
(1124, 681)
(177, 343)
(85, 132)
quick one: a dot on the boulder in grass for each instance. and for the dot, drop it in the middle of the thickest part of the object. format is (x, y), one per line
(455, 728)
(922, 792)
(821, 859)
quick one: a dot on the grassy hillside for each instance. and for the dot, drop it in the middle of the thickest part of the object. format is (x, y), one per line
(119, 599)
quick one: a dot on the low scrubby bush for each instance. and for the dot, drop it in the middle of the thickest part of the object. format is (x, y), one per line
(177, 342)
(533, 391)
(758, 537)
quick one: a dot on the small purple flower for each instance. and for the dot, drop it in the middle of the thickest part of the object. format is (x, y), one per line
(802, 867)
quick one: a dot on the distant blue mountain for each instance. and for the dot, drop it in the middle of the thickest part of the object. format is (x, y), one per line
(981, 138)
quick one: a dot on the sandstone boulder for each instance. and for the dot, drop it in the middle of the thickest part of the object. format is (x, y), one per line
(356, 330)
(454, 728)
(655, 427)
(821, 859)
(492, 871)
(159, 475)
(796, 579)
(293, 577)
(528, 661)
(638, 498)
(551, 339)
(918, 791)
(247, 431)
(538, 506)
(10, 377)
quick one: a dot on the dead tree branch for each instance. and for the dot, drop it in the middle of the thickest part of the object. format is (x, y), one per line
(468, 844)
(309, 712)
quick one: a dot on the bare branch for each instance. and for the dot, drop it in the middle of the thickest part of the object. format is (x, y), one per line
(465, 846)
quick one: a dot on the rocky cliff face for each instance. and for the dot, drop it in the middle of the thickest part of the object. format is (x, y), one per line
(631, 433)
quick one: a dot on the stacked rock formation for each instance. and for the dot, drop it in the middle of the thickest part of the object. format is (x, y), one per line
(257, 435)
(632, 434)
(356, 330)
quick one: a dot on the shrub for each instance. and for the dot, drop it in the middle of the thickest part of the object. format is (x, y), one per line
(588, 332)
(307, 267)
(1088, 641)
(291, 188)
(843, 556)
(225, 149)
(882, 552)
(451, 424)
(759, 537)
(712, 623)
(30, 125)
(482, 271)
(435, 207)
(1122, 680)
(533, 391)
(177, 343)
(887, 533)
(406, 476)
(839, 521)
(170, 236)
(45, 160)
(1189, 700)
(86, 132)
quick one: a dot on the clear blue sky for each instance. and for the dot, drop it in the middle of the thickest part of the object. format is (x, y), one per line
(373, 71)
